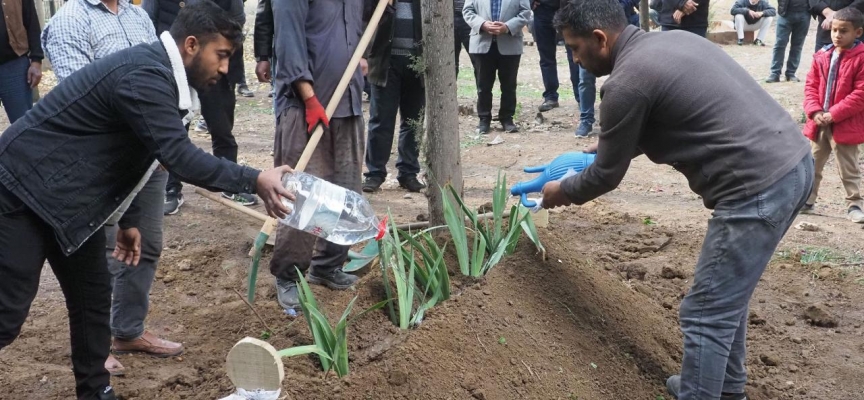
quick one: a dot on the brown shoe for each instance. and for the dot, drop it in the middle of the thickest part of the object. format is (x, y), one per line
(114, 367)
(150, 344)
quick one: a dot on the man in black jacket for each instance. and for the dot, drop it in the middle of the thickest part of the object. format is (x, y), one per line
(69, 163)
(793, 19)
(262, 41)
(396, 88)
(685, 15)
(824, 11)
(462, 34)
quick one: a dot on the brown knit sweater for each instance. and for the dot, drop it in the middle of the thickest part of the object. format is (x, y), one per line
(681, 101)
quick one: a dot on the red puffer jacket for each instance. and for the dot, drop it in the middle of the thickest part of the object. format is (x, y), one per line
(847, 103)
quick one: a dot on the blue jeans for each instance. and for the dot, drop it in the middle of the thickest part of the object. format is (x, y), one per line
(15, 92)
(741, 238)
(131, 299)
(545, 37)
(586, 91)
(404, 94)
(795, 24)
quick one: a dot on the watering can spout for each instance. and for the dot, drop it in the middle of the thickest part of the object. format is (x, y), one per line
(552, 171)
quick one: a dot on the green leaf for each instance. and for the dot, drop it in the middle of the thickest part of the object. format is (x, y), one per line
(323, 336)
(472, 216)
(500, 251)
(443, 276)
(516, 218)
(303, 350)
(501, 340)
(458, 232)
(499, 201)
(386, 253)
(531, 231)
(478, 255)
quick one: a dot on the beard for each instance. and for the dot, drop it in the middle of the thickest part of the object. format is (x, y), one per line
(198, 77)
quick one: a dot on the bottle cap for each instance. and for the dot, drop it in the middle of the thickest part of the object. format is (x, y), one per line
(382, 229)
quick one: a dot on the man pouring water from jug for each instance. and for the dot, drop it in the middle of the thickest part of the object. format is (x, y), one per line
(69, 163)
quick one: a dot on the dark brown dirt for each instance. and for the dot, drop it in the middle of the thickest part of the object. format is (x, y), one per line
(597, 320)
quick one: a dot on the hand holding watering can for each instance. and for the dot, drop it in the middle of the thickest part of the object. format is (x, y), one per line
(562, 166)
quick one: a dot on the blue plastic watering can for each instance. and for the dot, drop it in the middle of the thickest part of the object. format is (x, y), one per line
(577, 161)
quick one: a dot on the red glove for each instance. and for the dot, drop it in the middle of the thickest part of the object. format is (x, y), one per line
(315, 114)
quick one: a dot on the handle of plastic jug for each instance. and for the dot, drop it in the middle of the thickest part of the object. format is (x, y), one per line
(536, 169)
(528, 203)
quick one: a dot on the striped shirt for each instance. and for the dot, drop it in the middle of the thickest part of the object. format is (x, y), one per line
(403, 28)
(86, 30)
(496, 10)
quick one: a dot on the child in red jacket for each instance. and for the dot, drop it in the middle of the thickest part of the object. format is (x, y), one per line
(834, 103)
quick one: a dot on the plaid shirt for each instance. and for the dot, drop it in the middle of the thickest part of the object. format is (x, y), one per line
(85, 30)
(496, 10)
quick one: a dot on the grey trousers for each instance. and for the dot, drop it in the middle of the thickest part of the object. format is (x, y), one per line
(742, 236)
(131, 299)
(338, 159)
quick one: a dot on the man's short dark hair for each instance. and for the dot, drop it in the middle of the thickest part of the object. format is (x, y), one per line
(850, 15)
(204, 20)
(582, 17)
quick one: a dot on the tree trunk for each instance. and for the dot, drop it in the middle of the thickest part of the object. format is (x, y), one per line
(442, 120)
(644, 20)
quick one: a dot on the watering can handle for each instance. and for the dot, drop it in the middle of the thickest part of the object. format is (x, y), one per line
(536, 169)
(528, 203)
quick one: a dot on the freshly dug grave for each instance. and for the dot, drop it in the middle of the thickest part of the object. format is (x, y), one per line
(563, 328)
(597, 320)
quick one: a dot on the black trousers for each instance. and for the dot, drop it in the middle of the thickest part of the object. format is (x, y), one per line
(217, 108)
(507, 67)
(462, 36)
(403, 95)
(25, 243)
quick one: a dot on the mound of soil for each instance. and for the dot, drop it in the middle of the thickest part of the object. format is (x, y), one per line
(561, 328)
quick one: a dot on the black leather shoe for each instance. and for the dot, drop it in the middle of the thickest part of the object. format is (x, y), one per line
(372, 183)
(548, 105)
(792, 78)
(244, 91)
(336, 280)
(484, 126)
(509, 126)
(411, 183)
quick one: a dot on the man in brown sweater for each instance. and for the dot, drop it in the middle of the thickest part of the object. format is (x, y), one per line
(738, 148)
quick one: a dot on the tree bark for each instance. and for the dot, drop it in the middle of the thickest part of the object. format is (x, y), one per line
(644, 20)
(442, 120)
